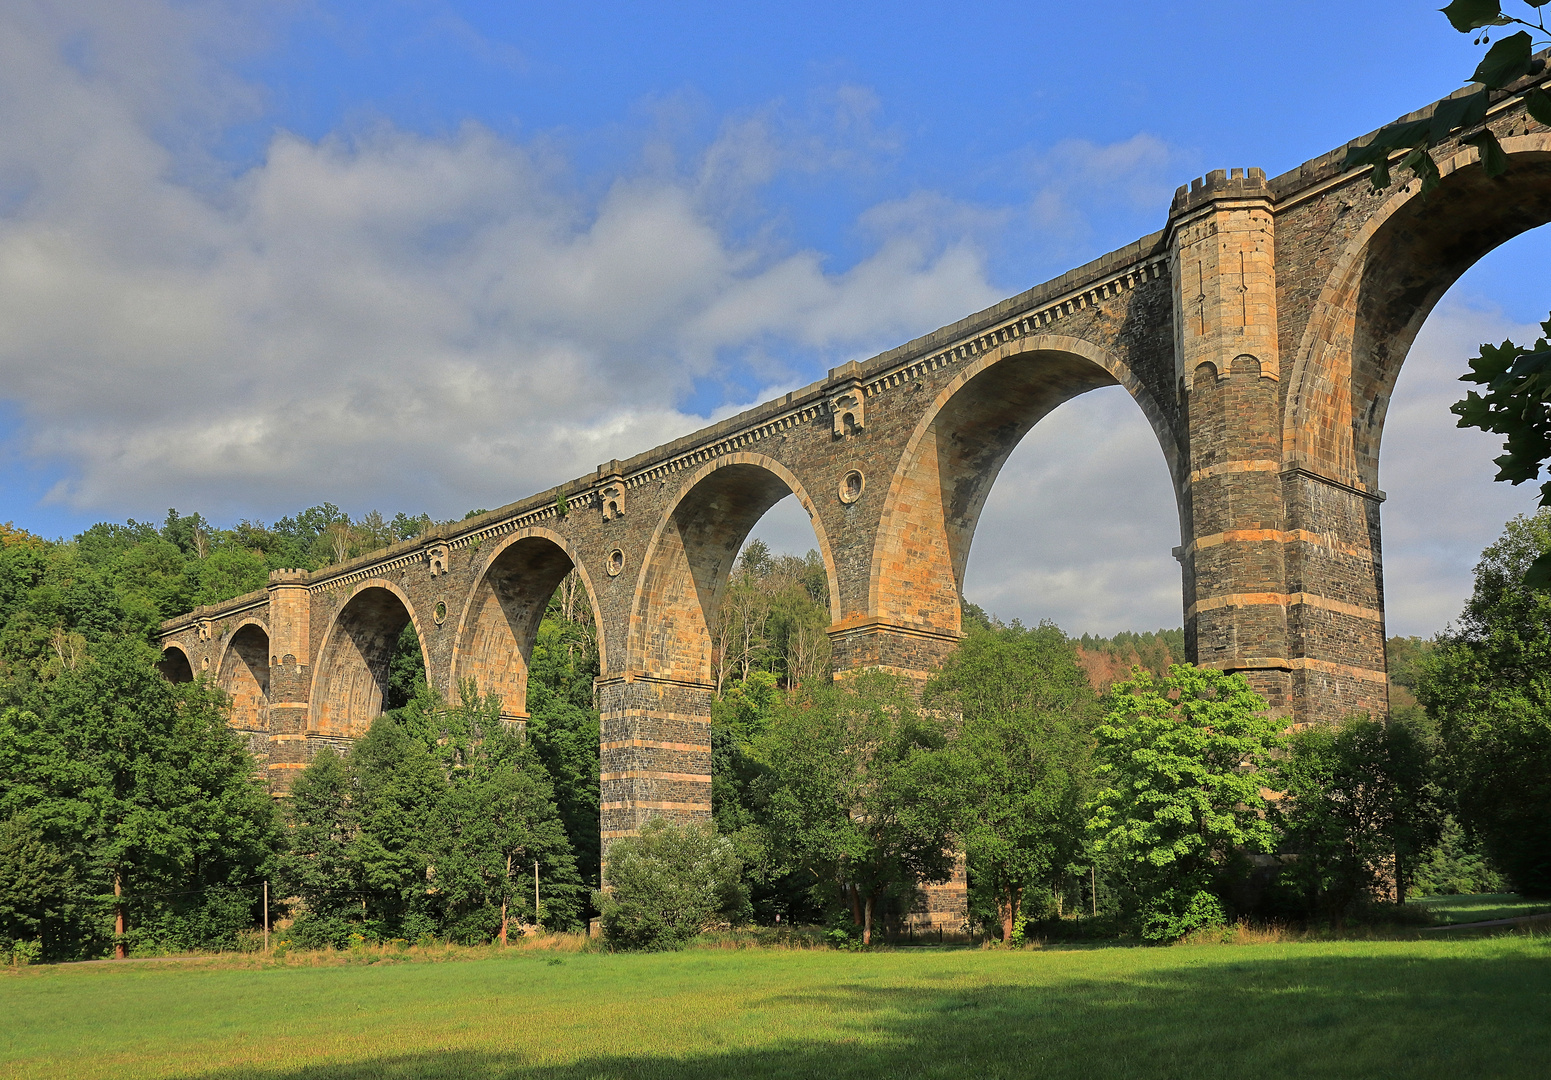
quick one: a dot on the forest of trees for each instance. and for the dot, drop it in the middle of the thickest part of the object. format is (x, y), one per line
(1101, 775)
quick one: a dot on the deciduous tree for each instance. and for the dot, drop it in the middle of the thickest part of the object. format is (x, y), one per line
(1181, 778)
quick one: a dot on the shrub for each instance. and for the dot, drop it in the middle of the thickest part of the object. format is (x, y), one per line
(311, 931)
(669, 884)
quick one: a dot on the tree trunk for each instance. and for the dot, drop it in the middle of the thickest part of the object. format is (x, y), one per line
(867, 926)
(119, 951)
(852, 893)
(1400, 880)
(503, 898)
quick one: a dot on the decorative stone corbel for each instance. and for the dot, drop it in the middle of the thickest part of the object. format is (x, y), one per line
(439, 558)
(611, 493)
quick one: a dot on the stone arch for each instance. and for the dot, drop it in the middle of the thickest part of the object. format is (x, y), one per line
(243, 673)
(690, 556)
(351, 674)
(175, 665)
(501, 617)
(1384, 285)
(954, 455)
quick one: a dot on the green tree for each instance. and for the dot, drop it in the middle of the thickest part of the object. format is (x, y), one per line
(1362, 808)
(1456, 864)
(144, 783)
(670, 883)
(1488, 684)
(563, 722)
(36, 881)
(1182, 766)
(857, 793)
(430, 825)
(499, 820)
(1021, 759)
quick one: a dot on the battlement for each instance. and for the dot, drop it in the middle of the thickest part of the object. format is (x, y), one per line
(288, 577)
(1220, 184)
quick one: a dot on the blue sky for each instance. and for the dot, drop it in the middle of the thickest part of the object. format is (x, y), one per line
(439, 255)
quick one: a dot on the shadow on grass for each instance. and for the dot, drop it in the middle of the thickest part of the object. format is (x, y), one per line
(1347, 1017)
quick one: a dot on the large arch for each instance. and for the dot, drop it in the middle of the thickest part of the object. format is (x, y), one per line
(953, 457)
(175, 664)
(1380, 292)
(685, 571)
(500, 620)
(351, 676)
(244, 674)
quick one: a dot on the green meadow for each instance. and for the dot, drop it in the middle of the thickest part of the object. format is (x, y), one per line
(1347, 1009)
(1480, 907)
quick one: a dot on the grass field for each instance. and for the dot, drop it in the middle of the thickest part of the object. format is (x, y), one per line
(1480, 907)
(1413, 1009)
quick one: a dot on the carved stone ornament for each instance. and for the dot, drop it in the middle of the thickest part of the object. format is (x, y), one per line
(206, 630)
(612, 499)
(616, 562)
(848, 409)
(852, 484)
(439, 559)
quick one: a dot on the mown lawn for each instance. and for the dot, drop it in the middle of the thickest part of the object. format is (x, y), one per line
(1411, 1009)
(1480, 907)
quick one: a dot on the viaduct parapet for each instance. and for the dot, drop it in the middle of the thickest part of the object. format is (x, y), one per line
(1260, 333)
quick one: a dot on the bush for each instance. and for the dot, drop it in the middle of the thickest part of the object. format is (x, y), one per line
(211, 924)
(1176, 913)
(669, 884)
(311, 931)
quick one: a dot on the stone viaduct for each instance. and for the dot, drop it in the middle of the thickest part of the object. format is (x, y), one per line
(1260, 333)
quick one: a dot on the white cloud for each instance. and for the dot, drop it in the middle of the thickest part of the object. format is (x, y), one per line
(1443, 506)
(1080, 525)
(384, 318)
(394, 320)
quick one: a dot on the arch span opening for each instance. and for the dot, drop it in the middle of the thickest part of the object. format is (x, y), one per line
(244, 675)
(677, 630)
(1385, 285)
(1079, 525)
(354, 667)
(501, 625)
(940, 491)
(175, 665)
(1443, 505)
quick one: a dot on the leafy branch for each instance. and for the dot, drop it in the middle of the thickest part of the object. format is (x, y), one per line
(1507, 61)
(1516, 405)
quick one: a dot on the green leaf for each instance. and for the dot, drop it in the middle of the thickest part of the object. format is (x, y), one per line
(1492, 155)
(1506, 61)
(1538, 576)
(1538, 103)
(1386, 141)
(1468, 15)
(1380, 178)
(1455, 113)
(1422, 165)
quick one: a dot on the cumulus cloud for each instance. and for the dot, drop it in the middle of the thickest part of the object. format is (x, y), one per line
(384, 317)
(399, 320)
(1080, 525)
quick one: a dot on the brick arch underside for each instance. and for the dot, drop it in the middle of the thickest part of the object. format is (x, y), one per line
(244, 675)
(940, 488)
(1389, 282)
(689, 564)
(496, 639)
(175, 665)
(352, 673)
